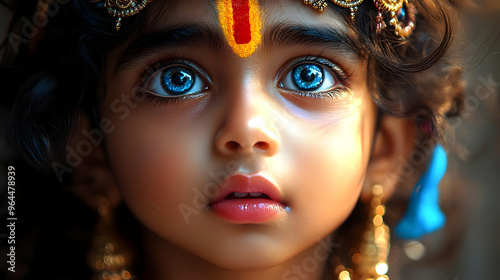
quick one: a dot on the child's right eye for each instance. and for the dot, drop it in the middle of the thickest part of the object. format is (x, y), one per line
(176, 79)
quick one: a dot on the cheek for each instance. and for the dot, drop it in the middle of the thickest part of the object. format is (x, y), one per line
(330, 165)
(146, 149)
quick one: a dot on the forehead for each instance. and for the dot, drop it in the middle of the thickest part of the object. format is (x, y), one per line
(163, 14)
(195, 24)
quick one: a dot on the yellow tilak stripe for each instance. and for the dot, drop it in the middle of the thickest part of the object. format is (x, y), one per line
(227, 23)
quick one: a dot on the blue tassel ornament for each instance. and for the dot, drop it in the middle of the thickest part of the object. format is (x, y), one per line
(424, 215)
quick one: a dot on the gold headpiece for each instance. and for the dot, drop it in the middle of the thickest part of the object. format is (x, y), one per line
(122, 8)
(401, 12)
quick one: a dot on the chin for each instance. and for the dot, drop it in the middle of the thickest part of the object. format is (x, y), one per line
(248, 255)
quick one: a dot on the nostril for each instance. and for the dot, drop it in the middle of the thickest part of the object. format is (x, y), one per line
(232, 145)
(262, 145)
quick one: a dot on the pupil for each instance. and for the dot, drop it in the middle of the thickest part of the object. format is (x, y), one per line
(308, 75)
(180, 78)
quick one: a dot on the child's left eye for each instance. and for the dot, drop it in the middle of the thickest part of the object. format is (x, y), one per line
(311, 75)
(176, 80)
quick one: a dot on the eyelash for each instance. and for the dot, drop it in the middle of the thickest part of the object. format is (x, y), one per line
(156, 100)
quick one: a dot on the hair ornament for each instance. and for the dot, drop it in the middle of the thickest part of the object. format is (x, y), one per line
(122, 8)
(400, 12)
(319, 5)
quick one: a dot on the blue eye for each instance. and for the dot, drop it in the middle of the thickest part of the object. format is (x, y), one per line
(308, 76)
(311, 75)
(176, 80)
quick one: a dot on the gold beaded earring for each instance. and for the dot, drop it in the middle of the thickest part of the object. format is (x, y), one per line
(370, 259)
(109, 258)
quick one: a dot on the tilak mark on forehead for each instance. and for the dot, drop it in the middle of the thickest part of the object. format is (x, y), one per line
(241, 23)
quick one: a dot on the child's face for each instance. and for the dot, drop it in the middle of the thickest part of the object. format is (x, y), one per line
(295, 112)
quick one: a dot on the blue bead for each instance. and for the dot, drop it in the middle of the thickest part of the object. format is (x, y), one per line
(402, 15)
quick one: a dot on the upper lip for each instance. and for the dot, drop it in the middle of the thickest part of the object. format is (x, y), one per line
(247, 184)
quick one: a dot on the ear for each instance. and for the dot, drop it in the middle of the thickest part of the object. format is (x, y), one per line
(92, 178)
(394, 142)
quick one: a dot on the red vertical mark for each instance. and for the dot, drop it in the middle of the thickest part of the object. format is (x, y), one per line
(241, 19)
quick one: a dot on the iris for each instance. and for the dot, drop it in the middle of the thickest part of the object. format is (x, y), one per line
(308, 76)
(177, 80)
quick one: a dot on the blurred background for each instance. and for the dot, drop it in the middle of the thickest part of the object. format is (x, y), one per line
(471, 187)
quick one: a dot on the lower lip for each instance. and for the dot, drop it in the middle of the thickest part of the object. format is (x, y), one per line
(248, 210)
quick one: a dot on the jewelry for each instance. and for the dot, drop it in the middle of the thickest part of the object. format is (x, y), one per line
(398, 15)
(108, 258)
(370, 259)
(424, 215)
(401, 13)
(319, 5)
(122, 8)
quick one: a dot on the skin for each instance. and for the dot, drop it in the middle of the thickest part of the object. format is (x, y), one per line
(316, 150)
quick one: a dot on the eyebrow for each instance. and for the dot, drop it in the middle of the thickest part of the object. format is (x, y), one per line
(282, 35)
(175, 37)
(200, 35)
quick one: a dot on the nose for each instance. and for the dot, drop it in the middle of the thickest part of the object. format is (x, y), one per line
(249, 127)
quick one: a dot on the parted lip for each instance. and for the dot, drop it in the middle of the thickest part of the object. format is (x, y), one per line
(248, 184)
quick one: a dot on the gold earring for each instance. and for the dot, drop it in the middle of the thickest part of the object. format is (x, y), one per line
(370, 259)
(108, 257)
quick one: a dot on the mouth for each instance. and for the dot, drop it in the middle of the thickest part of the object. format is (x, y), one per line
(242, 195)
(248, 200)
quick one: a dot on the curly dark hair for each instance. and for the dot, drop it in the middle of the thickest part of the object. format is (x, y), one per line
(58, 70)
